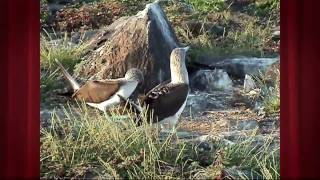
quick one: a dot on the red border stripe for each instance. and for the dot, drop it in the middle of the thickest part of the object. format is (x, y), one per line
(20, 98)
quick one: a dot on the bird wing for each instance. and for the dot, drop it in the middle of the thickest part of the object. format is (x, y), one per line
(142, 97)
(166, 100)
(97, 91)
(161, 84)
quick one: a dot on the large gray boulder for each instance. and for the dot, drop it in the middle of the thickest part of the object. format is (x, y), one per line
(143, 41)
(239, 67)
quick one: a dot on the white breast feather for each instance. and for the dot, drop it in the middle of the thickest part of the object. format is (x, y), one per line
(172, 120)
(125, 91)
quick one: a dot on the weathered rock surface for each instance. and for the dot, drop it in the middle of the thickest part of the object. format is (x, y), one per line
(276, 34)
(239, 67)
(46, 116)
(248, 84)
(144, 41)
(272, 74)
(199, 102)
(243, 125)
(77, 37)
(236, 67)
(211, 81)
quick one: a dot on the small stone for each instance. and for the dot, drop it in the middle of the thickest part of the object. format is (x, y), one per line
(276, 35)
(217, 30)
(248, 84)
(45, 115)
(204, 146)
(243, 125)
(247, 125)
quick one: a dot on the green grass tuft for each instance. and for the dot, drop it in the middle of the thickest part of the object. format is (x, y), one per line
(207, 6)
(261, 160)
(270, 91)
(68, 54)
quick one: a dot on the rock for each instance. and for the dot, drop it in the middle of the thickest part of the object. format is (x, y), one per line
(276, 34)
(204, 146)
(232, 136)
(199, 102)
(144, 41)
(259, 109)
(243, 125)
(248, 84)
(239, 67)
(54, 8)
(211, 81)
(61, 91)
(217, 30)
(204, 60)
(63, 2)
(226, 142)
(182, 6)
(77, 37)
(203, 138)
(46, 116)
(269, 125)
(272, 74)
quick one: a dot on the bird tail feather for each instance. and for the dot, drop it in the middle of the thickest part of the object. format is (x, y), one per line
(71, 80)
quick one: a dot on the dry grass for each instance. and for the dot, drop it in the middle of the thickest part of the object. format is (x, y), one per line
(87, 143)
(77, 145)
(243, 33)
(68, 54)
(61, 49)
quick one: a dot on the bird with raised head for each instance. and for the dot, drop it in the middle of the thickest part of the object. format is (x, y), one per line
(166, 101)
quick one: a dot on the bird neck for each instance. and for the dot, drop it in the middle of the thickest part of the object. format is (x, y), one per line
(131, 79)
(179, 73)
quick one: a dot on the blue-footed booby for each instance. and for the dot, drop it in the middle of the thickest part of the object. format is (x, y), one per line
(103, 94)
(166, 101)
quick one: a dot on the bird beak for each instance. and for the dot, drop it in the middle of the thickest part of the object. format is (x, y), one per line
(186, 48)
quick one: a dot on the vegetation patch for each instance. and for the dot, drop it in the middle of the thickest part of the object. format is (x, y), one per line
(88, 17)
(207, 6)
(269, 83)
(223, 32)
(111, 146)
(68, 54)
(88, 14)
